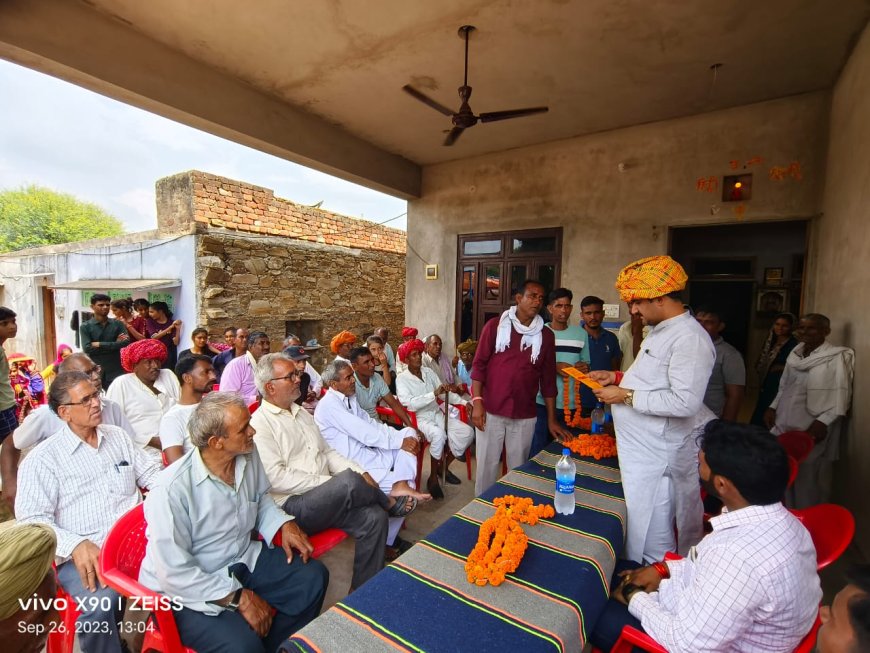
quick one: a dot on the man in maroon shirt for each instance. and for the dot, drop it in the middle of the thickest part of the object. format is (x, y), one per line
(515, 356)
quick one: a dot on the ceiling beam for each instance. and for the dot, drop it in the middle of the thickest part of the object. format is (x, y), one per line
(74, 42)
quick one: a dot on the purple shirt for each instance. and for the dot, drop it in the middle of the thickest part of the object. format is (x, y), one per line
(510, 379)
(238, 377)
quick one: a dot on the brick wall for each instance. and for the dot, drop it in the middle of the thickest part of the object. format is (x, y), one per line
(207, 201)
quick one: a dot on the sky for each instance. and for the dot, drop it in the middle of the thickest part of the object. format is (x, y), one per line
(72, 140)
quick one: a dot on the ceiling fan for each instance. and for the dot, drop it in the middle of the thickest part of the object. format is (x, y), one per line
(465, 118)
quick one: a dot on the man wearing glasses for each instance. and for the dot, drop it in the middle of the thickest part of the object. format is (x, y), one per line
(79, 482)
(44, 422)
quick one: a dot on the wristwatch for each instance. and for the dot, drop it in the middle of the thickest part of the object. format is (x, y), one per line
(233, 605)
(629, 398)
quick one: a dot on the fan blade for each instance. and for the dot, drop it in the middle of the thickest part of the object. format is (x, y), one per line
(425, 99)
(512, 113)
(455, 133)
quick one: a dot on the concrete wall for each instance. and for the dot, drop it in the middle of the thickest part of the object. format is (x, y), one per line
(24, 273)
(611, 217)
(840, 252)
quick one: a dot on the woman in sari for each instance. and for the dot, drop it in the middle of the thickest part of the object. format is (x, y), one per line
(771, 363)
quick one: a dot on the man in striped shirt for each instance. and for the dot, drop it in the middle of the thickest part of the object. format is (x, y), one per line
(79, 482)
(749, 586)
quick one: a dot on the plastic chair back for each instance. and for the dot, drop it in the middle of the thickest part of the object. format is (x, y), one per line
(797, 444)
(793, 469)
(253, 407)
(62, 639)
(831, 527)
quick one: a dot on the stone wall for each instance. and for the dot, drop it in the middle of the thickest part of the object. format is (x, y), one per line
(267, 263)
(281, 285)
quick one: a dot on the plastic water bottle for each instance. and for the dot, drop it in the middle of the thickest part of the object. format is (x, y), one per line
(598, 418)
(566, 472)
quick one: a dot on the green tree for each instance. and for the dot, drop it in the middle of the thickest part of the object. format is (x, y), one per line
(33, 216)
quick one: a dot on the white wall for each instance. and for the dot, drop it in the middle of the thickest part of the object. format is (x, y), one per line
(610, 217)
(23, 275)
(840, 252)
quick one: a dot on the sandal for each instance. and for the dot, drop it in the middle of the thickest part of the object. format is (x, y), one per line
(400, 509)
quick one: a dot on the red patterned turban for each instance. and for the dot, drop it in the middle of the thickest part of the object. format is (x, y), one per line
(142, 350)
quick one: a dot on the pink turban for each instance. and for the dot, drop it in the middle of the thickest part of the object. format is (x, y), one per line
(407, 347)
(142, 350)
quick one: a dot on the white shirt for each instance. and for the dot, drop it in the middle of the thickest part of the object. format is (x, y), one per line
(792, 412)
(655, 436)
(81, 491)
(350, 430)
(752, 587)
(142, 407)
(418, 394)
(173, 427)
(198, 527)
(626, 343)
(294, 454)
(44, 422)
(316, 382)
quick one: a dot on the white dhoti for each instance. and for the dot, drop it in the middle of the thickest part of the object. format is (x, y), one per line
(459, 435)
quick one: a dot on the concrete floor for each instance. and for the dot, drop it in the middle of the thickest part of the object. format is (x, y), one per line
(426, 517)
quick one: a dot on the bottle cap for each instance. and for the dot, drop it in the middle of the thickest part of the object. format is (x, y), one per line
(566, 451)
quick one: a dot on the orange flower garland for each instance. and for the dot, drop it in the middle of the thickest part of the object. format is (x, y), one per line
(593, 446)
(501, 542)
(576, 421)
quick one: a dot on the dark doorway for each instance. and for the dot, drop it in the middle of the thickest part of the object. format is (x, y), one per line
(730, 298)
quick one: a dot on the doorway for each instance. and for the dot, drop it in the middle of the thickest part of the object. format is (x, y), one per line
(491, 266)
(49, 332)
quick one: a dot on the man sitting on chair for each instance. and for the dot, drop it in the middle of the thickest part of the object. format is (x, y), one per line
(238, 594)
(313, 482)
(390, 456)
(80, 481)
(751, 584)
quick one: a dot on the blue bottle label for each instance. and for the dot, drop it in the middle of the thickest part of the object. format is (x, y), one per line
(565, 487)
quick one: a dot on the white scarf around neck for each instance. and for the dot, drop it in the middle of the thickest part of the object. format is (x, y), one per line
(531, 334)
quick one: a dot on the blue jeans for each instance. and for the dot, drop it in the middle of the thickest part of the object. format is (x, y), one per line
(104, 608)
(615, 616)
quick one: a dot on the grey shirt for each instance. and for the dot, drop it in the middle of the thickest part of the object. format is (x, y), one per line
(728, 369)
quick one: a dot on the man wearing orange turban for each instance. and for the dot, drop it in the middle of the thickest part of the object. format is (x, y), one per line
(341, 344)
(658, 412)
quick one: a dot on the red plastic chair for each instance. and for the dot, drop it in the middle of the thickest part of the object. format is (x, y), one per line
(797, 444)
(62, 640)
(253, 407)
(631, 637)
(121, 557)
(831, 527)
(793, 469)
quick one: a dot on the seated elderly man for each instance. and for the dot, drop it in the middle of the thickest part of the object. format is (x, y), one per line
(146, 393)
(79, 482)
(44, 422)
(310, 480)
(408, 333)
(238, 375)
(418, 389)
(437, 361)
(197, 380)
(466, 352)
(341, 344)
(388, 455)
(308, 396)
(295, 341)
(238, 594)
(751, 584)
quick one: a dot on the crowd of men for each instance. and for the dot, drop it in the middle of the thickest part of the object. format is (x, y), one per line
(282, 451)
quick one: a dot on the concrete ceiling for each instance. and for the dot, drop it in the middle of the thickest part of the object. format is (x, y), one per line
(320, 82)
(598, 64)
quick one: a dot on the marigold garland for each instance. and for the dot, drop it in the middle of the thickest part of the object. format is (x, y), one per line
(577, 421)
(501, 542)
(593, 446)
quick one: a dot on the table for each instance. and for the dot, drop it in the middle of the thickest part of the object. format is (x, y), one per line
(423, 601)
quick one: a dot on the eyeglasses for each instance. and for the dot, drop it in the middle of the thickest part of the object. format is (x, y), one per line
(96, 370)
(85, 401)
(293, 376)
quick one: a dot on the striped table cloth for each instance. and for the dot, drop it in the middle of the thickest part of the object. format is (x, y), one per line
(423, 601)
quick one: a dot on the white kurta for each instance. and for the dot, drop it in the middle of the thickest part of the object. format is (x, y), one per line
(142, 407)
(656, 437)
(418, 395)
(349, 430)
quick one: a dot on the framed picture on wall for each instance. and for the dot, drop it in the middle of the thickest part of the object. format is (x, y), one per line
(770, 301)
(773, 276)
